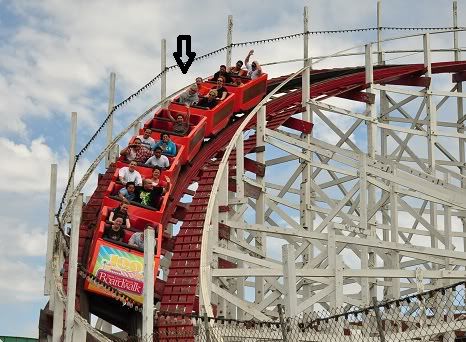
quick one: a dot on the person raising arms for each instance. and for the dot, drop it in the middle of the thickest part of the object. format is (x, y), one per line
(180, 124)
(254, 69)
(136, 151)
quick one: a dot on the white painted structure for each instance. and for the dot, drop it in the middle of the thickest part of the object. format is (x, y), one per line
(383, 203)
(148, 291)
(111, 102)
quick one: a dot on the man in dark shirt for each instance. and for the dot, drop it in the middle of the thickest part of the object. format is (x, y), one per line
(115, 231)
(149, 194)
(210, 101)
(223, 72)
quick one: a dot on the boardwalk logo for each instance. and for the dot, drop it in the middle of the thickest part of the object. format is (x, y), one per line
(121, 283)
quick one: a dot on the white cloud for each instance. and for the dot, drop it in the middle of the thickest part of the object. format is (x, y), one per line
(55, 64)
(21, 239)
(25, 168)
(20, 282)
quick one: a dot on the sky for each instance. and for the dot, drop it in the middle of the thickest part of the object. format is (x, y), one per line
(56, 57)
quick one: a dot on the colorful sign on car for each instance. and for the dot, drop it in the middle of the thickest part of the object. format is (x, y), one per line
(119, 269)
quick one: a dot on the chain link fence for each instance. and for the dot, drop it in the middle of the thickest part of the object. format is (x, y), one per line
(436, 315)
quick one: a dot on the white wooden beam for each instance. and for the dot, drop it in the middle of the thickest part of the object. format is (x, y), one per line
(289, 280)
(73, 270)
(148, 290)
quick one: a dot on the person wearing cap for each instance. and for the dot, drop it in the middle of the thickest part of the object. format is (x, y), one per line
(254, 69)
(210, 101)
(222, 72)
(190, 96)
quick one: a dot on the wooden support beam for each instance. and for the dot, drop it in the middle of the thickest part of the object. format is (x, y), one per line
(458, 77)
(254, 167)
(413, 82)
(299, 125)
(359, 96)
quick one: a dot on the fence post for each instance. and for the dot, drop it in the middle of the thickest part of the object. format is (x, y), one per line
(289, 280)
(282, 323)
(379, 320)
(207, 327)
(72, 330)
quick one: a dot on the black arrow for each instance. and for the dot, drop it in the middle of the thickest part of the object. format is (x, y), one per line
(179, 52)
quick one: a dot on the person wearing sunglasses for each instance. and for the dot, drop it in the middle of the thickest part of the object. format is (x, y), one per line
(237, 69)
